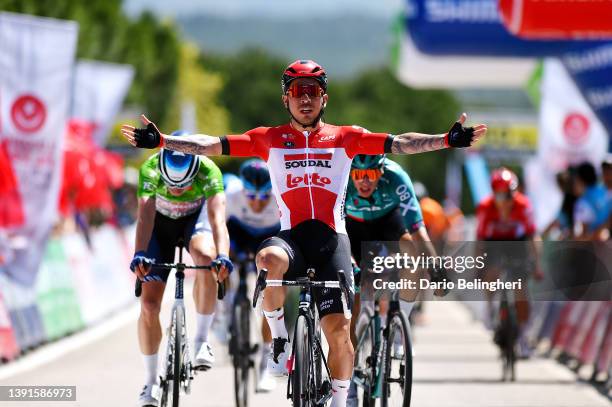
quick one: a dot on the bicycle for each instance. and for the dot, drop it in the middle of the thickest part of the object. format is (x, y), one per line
(506, 334)
(178, 371)
(240, 347)
(306, 386)
(380, 363)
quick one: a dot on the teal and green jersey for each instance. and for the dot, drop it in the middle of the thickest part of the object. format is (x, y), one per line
(394, 190)
(207, 183)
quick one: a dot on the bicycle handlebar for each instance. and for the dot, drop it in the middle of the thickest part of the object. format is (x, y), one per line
(182, 266)
(341, 283)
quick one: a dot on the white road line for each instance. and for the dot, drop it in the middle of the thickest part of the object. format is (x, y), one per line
(56, 350)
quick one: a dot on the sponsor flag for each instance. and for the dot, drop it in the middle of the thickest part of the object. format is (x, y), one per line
(99, 90)
(36, 66)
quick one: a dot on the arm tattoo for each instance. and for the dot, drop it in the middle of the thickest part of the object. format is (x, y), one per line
(411, 143)
(198, 144)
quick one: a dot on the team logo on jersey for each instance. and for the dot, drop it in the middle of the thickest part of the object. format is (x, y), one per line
(307, 179)
(289, 144)
(287, 136)
(313, 160)
(329, 137)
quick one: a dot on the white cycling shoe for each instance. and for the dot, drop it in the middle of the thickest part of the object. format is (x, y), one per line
(205, 357)
(266, 383)
(148, 396)
(277, 363)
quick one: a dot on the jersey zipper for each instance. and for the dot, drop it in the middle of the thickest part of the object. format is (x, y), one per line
(312, 209)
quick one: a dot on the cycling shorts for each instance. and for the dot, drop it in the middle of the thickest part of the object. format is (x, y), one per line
(244, 239)
(167, 233)
(313, 244)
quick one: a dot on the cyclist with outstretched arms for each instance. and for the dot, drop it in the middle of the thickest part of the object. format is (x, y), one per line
(252, 217)
(180, 197)
(309, 163)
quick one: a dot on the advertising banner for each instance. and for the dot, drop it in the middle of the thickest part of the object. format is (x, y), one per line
(8, 344)
(99, 90)
(56, 298)
(556, 19)
(591, 70)
(419, 70)
(36, 65)
(474, 28)
(570, 132)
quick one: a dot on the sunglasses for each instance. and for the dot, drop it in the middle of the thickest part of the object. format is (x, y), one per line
(502, 196)
(253, 195)
(373, 174)
(297, 90)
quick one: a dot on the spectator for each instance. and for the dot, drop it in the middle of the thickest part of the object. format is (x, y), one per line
(590, 211)
(563, 224)
(606, 170)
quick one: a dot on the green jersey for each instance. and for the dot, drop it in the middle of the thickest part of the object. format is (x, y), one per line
(394, 190)
(207, 183)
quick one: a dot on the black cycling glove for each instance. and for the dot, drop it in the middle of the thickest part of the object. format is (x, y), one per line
(148, 137)
(459, 136)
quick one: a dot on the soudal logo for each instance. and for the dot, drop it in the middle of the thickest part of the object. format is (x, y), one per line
(313, 160)
(308, 179)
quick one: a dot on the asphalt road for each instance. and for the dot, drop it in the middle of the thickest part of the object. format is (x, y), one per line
(456, 365)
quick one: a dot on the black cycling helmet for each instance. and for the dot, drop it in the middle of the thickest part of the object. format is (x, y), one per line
(255, 175)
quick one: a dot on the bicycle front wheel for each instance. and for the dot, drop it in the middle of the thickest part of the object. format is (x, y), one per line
(177, 363)
(397, 385)
(301, 364)
(241, 355)
(366, 356)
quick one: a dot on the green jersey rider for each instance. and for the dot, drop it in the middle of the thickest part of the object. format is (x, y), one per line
(180, 197)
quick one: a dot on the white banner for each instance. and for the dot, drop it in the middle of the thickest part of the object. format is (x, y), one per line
(99, 90)
(36, 66)
(570, 132)
(419, 70)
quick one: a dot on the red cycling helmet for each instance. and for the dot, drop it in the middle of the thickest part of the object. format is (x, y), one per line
(304, 68)
(504, 180)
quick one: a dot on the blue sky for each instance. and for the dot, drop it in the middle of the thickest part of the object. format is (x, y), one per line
(268, 8)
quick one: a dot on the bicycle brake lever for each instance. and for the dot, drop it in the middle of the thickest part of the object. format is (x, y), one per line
(260, 285)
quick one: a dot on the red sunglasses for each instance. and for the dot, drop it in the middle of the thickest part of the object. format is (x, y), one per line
(297, 90)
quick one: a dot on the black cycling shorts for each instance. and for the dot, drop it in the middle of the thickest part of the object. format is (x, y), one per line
(387, 228)
(165, 237)
(246, 241)
(313, 244)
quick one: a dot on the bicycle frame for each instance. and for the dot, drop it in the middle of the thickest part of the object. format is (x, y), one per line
(306, 310)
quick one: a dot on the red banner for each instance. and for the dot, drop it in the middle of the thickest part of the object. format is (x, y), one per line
(557, 19)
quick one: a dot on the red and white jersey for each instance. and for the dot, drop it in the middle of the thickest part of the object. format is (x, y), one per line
(519, 225)
(309, 170)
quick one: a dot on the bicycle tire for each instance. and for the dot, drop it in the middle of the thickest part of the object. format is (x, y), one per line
(164, 384)
(177, 363)
(398, 324)
(240, 333)
(366, 355)
(510, 348)
(301, 364)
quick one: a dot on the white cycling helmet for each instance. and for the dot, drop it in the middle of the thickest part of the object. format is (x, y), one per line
(178, 170)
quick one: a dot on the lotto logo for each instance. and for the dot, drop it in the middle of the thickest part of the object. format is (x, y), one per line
(307, 179)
